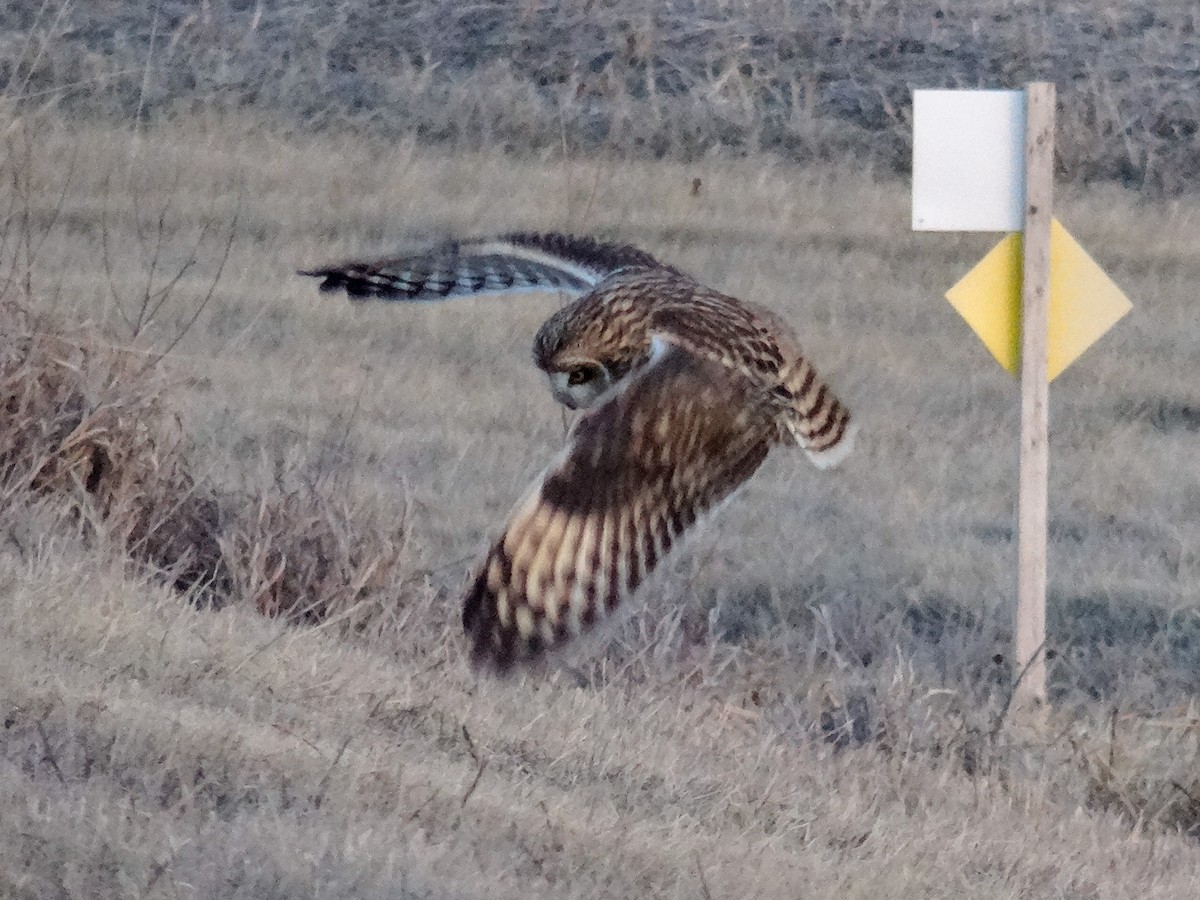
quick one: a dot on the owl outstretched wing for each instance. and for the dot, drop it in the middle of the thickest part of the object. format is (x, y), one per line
(638, 471)
(522, 261)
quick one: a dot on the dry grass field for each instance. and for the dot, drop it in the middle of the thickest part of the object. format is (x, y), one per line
(803, 80)
(809, 701)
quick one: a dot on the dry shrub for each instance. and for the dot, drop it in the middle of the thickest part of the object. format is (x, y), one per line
(306, 551)
(86, 423)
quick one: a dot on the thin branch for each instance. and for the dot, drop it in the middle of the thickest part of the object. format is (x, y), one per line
(160, 234)
(137, 116)
(71, 85)
(25, 47)
(324, 785)
(47, 33)
(212, 288)
(479, 761)
(106, 257)
(1013, 691)
(163, 294)
(55, 213)
(50, 758)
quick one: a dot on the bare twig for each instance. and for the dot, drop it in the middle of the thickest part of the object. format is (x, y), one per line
(49, 752)
(212, 288)
(106, 256)
(47, 35)
(137, 116)
(479, 761)
(143, 316)
(323, 787)
(1012, 692)
(69, 86)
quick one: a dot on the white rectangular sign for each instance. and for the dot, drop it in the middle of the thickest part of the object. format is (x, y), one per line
(968, 161)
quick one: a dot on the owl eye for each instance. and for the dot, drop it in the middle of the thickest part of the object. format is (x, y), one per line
(581, 375)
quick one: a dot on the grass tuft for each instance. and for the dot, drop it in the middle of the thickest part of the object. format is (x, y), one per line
(1146, 770)
(86, 423)
(305, 551)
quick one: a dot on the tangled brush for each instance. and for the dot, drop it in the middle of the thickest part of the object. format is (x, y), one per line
(305, 551)
(85, 422)
(86, 425)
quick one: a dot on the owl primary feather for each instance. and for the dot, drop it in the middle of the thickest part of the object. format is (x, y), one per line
(686, 390)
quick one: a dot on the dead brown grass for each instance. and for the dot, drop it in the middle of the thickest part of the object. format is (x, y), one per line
(808, 703)
(306, 552)
(806, 81)
(86, 423)
(1147, 771)
(148, 747)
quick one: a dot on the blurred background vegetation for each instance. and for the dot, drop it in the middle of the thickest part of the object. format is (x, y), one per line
(806, 80)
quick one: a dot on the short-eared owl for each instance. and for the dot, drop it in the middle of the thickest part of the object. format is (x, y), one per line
(687, 391)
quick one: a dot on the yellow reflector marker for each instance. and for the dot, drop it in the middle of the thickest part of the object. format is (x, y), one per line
(1084, 302)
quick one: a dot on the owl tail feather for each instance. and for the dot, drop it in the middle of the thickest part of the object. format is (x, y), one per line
(831, 455)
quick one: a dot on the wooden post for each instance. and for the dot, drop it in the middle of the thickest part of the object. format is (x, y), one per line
(1035, 306)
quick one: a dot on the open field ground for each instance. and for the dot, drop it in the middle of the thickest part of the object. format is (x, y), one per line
(803, 80)
(806, 704)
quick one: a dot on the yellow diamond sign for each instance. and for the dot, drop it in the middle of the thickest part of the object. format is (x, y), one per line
(1084, 302)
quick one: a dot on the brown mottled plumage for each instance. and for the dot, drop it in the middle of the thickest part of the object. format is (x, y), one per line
(688, 391)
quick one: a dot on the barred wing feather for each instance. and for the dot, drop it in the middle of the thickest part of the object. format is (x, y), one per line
(638, 472)
(498, 265)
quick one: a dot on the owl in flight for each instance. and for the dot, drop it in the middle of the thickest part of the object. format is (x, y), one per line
(686, 391)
